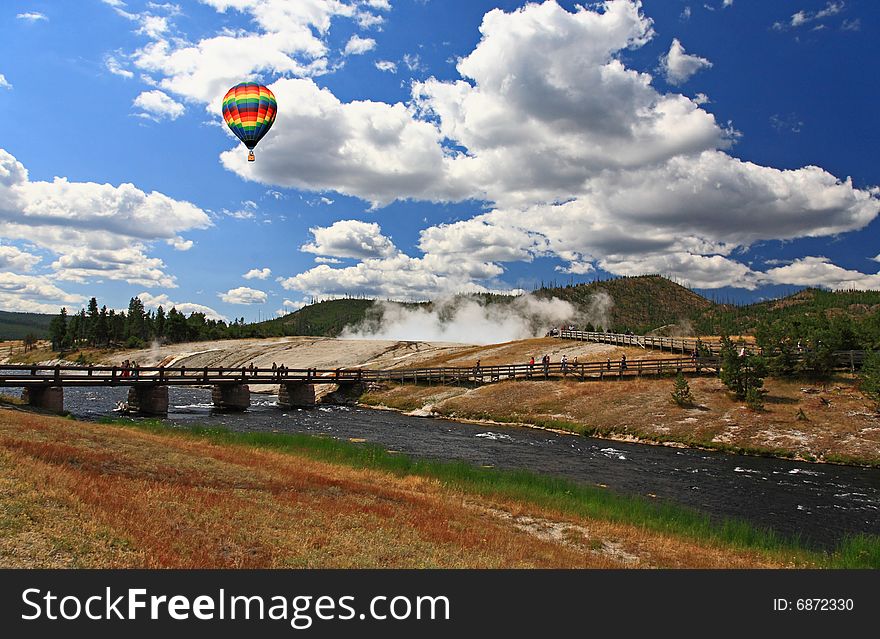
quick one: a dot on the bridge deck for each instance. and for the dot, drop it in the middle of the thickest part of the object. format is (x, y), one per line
(19, 376)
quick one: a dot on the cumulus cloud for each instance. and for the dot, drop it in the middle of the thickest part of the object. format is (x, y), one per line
(286, 38)
(33, 294)
(179, 244)
(156, 105)
(4, 83)
(357, 45)
(819, 271)
(350, 238)
(14, 258)
(187, 308)
(289, 306)
(130, 264)
(243, 295)
(95, 230)
(678, 66)
(257, 274)
(578, 157)
(591, 164)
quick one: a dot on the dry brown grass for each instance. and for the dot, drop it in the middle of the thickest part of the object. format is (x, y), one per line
(840, 424)
(81, 494)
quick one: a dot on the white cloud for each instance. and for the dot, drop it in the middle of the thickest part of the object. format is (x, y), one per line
(581, 158)
(819, 271)
(400, 277)
(157, 105)
(187, 308)
(4, 83)
(114, 66)
(679, 66)
(288, 306)
(32, 16)
(179, 243)
(413, 61)
(327, 260)
(350, 238)
(372, 150)
(257, 274)
(33, 294)
(14, 258)
(727, 3)
(386, 65)
(96, 230)
(243, 295)
(129, 264)
(285, 38)
(803, 17)
(357, 45)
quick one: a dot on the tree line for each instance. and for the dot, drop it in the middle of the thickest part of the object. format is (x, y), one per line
(102, 327)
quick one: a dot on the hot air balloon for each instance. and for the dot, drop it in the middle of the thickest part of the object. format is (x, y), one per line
(249, 109)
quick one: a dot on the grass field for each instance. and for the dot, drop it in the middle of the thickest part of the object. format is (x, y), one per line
(145, 495)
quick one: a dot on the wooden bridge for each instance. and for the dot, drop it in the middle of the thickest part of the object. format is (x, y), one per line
(148, 386)
(850, 360)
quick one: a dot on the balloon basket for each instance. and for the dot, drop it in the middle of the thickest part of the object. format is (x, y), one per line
(251, 157)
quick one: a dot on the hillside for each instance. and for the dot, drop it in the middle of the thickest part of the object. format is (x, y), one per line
(17, 325)
(808, 303)
(640, 304)
(322, 319)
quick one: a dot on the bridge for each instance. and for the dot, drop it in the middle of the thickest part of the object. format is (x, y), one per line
(230, 387)
(850, 360)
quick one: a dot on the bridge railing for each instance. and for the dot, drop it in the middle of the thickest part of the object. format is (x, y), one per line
(13, 375)
(845, 359)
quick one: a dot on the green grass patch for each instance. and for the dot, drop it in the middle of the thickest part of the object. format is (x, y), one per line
(551, 492)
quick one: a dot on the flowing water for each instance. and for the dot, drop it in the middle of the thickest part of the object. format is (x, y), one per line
(820, 502)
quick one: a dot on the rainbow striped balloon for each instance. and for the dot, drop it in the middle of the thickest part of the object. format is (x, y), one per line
(249, 110)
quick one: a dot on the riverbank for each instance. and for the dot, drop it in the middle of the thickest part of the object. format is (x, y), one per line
(146, 495)
(831, 422)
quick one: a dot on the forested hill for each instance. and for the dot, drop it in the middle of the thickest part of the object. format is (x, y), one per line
(638, 304)
(806, 306)
(18, 325)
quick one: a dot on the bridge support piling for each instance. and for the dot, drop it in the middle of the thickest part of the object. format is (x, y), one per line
(346, 393)
(296, 394)
(231, 397)
(149, 399)
(49, 398)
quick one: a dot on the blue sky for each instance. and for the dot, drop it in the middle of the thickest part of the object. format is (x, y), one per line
(424, 148)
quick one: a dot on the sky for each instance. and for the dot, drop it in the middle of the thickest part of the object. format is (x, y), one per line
(424, 148)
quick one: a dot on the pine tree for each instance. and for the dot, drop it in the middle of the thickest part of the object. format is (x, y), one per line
(870, 377)
(681, 392)
(58, 330)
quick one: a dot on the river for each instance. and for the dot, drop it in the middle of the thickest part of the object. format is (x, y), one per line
(819, 502)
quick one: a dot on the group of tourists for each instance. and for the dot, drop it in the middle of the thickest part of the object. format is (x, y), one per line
(130, 367)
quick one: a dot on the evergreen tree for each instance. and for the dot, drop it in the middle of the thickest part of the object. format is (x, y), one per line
(159, 323)
(741, 372)
(870, 377)
(135, 326)
(92, 322)
(58, 330)
(102, 328)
